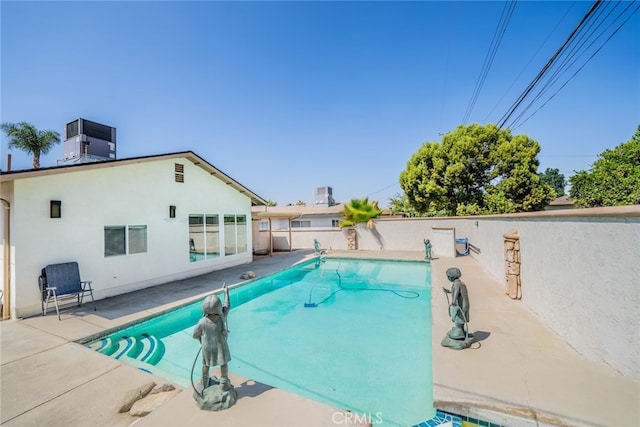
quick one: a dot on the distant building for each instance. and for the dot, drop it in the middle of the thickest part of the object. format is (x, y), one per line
(562, 202)
(300, 216)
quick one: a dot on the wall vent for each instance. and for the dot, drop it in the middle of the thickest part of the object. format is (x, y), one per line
(179, 172)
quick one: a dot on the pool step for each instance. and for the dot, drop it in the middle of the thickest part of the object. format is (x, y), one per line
(152, 349)
(145, 348)
(99, 345)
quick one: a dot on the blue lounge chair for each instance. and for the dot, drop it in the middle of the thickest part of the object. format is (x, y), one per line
(62, 280)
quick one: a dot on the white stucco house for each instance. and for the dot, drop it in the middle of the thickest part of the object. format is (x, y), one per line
(129, 223)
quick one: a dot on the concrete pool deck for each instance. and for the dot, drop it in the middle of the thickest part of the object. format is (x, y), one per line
(519, 374)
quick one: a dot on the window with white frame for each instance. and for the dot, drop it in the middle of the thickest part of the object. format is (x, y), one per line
(137, 239)
(241, 233)
(299, 223)
(204, 237)
(229, 234)
(263, 225)
(235, 234)
(125, 240)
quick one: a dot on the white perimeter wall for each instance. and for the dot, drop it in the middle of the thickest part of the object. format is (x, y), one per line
(580, 268)
(138, 194)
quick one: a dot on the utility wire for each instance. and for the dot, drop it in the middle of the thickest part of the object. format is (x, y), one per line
(548, 65)
(519, 121)
(573, 54)
(382, 189)
(566, 59)
(507, 12)
(529, 62)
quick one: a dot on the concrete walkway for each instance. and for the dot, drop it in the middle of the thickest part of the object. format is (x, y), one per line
(518, 374)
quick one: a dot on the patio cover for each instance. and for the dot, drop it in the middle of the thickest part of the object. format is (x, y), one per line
(278, 215)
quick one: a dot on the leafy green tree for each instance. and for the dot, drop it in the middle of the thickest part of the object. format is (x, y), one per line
(614, 178)
(359, 211)
(555, 179)
(271, 203)
(399, 203)
(25, 137)
(476, 170)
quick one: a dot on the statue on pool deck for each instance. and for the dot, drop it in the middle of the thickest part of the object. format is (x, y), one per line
(427, 249)
(212, 332)
(458, 337)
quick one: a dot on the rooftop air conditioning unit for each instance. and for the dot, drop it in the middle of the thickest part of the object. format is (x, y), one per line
(87, 141)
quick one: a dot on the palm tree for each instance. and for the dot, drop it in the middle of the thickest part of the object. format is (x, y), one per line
(24, 136)
(359, 211)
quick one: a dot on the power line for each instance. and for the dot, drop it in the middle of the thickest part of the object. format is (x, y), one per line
(529, 62)
(546, 68)
(517, 123)
(507, 12)
(594, 26)
(382, 189)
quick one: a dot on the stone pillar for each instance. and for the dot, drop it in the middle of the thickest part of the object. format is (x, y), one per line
(352, 239)
(512, 264)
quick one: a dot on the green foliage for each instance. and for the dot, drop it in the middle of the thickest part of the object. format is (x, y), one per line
(25, 137)
(271, 203)
(555, 179)
(359, 211)
(476, 170)
(399, 203)
(613, 180)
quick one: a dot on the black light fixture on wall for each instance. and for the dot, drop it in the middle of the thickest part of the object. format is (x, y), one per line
(55, 209)
(172, 211)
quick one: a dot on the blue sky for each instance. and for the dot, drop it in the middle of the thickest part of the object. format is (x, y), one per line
(289, 96)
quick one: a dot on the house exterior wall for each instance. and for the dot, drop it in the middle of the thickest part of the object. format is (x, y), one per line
(6, 193)
(134, 194)
(580, 268)
(320, 222)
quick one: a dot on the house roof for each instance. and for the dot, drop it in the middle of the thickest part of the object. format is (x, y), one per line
(562, 201)
(296, 211)
(301, 210)
(6, 176)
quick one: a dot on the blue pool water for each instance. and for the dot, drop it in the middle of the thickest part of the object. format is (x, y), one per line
(353, 334)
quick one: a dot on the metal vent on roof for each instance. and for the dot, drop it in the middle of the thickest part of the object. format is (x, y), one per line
(179, 172)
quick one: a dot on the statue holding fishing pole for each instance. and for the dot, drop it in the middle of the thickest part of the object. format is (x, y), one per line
(213, 394)
(458, 337)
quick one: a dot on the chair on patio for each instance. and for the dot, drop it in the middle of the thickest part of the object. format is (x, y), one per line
(59, 281)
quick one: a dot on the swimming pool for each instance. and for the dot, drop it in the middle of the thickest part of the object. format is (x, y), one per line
(353, 334)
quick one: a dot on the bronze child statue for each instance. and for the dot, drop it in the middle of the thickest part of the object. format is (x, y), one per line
(427, 249)
(212, 333)
(458, 337)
